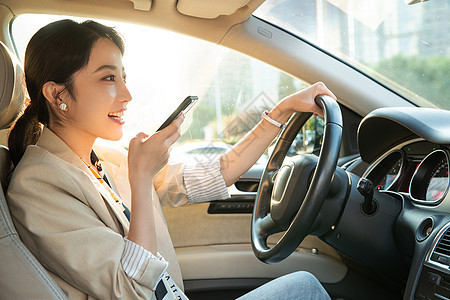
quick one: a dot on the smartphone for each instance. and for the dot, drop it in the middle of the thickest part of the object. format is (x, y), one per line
(184, 107)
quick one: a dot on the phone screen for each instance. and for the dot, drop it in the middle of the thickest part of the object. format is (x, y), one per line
(184, 107)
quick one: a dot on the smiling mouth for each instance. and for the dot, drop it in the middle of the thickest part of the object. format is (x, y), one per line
(117, 116)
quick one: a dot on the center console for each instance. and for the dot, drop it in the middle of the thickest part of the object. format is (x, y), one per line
(434, 281)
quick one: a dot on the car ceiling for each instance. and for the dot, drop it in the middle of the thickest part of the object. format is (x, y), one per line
(183, 16)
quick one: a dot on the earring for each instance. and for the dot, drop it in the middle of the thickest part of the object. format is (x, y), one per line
(63, 106)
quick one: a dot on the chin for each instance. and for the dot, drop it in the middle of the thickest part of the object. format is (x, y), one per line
(113, 136)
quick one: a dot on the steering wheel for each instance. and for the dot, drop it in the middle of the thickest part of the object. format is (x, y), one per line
(291, 193)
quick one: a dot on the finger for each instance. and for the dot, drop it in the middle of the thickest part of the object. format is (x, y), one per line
(178, 121)
(140, 137)
(172, 127)
(174, 131)
(171, 139)
(317, 110)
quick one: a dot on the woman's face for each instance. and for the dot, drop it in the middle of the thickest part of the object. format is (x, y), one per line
(101, 94)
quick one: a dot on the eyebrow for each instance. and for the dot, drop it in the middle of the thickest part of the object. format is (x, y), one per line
(108, 67)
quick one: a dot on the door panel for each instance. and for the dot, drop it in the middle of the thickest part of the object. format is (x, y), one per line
(212, 246)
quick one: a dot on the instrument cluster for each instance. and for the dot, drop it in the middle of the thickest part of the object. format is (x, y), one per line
(420, 169)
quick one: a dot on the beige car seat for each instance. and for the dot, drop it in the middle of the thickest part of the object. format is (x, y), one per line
(21, 275)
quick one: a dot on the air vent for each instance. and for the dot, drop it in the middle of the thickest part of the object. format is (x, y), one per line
(441, 253)
(443, 247)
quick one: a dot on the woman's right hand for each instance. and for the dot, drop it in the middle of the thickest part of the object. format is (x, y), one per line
(146, 156)
(149, 154)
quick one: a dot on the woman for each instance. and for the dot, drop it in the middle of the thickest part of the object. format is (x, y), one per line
(69, 213)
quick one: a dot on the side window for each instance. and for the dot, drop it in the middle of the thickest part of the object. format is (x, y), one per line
(163, 68)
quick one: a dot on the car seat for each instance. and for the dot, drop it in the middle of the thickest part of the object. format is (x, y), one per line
(21, 275)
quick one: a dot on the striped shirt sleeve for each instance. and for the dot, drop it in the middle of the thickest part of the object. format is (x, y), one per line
(136, 260)
(204, 182)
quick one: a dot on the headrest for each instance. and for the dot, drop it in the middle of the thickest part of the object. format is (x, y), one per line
(12, 87)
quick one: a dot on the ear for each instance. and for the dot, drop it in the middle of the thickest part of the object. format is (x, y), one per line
(51, 90)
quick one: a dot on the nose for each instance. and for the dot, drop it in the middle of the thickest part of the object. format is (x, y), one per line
(125, 95)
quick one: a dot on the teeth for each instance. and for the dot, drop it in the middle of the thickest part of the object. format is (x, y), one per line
(116, 115)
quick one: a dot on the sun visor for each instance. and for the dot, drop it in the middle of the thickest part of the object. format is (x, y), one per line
(209, 9)
(385, 128)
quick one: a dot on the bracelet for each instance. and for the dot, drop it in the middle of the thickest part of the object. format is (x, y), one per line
(265, 116)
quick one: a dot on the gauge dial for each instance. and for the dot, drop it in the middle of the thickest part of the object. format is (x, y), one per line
(390, 176)
(438, 181)
(430, 182)
(386, 171)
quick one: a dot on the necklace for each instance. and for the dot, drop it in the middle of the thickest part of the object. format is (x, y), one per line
(104, 182)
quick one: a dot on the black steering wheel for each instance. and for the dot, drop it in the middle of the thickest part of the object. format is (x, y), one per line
(291, 192)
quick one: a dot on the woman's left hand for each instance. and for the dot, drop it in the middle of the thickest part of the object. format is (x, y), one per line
(303, 101)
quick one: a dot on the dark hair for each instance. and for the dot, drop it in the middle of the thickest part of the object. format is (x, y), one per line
(54, 53)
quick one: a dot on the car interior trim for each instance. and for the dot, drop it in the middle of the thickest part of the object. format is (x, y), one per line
(384, 127)
(143, 5)
(238, 260)
(209, 9)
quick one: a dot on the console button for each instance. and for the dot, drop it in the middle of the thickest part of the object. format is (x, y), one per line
(442, 259)
(434, 278)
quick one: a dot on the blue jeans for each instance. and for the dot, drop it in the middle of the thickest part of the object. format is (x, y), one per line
(299, 285)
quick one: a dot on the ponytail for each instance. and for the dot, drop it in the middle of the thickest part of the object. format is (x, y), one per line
(25, 132)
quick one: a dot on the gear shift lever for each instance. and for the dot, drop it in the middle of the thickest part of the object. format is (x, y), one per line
(365, 187)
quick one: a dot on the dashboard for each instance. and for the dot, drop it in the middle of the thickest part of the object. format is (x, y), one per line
(408, 151)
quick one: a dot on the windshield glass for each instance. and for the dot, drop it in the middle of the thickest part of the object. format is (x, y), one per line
(163, 68)
(406, 47)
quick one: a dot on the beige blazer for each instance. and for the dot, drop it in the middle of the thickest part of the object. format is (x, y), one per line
(76, 230)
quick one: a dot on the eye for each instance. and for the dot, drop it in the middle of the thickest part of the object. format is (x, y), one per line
(110, 78)
(124, 78)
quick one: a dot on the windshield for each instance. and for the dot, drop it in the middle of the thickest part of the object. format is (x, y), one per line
(406, 47)
(164, 67)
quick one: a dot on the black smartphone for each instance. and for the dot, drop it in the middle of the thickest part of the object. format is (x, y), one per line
(184, 107)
